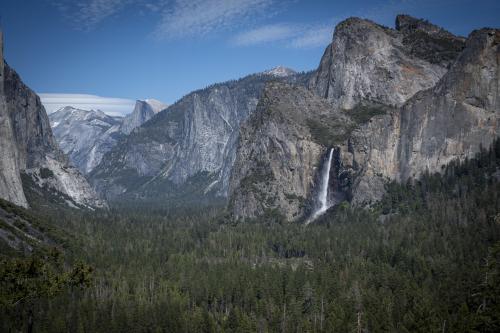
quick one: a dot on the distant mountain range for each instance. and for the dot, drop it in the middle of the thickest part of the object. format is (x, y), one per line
(386, 104)
(190, 143)
(86, 135)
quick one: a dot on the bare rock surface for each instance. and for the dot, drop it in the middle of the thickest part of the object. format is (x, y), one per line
(280, 151)
(192, 141)
(384, 123)
(369, 62)
(28, 144)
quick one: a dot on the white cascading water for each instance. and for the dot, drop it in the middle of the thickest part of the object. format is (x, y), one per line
(323, 190)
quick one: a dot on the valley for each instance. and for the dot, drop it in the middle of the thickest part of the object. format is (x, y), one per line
(362, 195)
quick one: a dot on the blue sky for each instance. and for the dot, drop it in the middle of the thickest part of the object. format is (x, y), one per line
(136, 49)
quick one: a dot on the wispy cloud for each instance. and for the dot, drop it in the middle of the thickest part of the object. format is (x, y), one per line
(177, 18)
(200, 17)
(181, 18)
(87, 14)
(109, 105)
(319, 36)
(265, 34)
(295, 36)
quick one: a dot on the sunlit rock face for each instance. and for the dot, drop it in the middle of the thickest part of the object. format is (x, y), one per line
(143, 111)
(452, 120)
(394, 113)
(193, 140)
(28, 146)
(280, 152)
(86, 135)
(369, 62)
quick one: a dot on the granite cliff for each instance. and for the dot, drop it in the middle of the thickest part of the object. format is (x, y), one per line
(143, 111)
(370, 62)
(451, 120)
(280, 151)
(397, 112)
(28, 147)
(188, 147)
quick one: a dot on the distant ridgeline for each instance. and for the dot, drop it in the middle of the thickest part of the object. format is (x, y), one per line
(391, 103)
(389, 151)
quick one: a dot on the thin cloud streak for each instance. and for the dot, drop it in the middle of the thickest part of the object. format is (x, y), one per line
(293, 36)
(200, 17)
(314, 37)
(265, 34)
(109, 105)
(87, 15)
(178, 18)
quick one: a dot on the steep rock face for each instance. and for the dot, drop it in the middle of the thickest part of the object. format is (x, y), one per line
(377, 143)
(11, 187)
(368, 62)
(143, 111)
(85, 136)
(279, 152)
(192, 139)
(449, 121)
(28, 145)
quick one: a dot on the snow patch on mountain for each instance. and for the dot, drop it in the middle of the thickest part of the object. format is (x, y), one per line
(280, 71)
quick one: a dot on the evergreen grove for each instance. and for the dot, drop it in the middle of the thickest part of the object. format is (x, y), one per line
(424, 259)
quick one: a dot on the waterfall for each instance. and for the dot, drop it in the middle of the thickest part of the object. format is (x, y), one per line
(323, 190)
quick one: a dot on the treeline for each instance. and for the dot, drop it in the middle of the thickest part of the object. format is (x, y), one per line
(424, 259)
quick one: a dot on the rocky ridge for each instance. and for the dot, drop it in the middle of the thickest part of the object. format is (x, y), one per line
(280, 71)
(402, 115)
(191, 142)
(372, 63)
(86, 135)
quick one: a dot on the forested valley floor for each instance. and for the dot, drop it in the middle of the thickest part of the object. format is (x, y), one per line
(424, 259)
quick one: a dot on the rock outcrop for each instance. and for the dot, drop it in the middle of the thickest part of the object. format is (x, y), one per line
(143, 111)
(371, 63)
(27, 145)
(428, 41)
(397, 114)
(280, 151)
(452, 120)
(11, 187)
(192, 140)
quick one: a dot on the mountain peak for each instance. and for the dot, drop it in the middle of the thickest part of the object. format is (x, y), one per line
(280, 71)
(72, 112)
(143, 111)
(155, 104)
